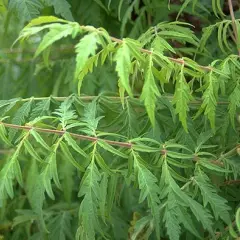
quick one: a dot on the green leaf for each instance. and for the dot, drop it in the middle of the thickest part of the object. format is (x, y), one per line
(65, 112)
(209, 193)
(182, 97)
(220, 37)
(67, 154)
(3, 135)
(49, 172)
(184, 5)
(35, 192)
(234, 100)
(60, 226)
(178, 35)
(32, 151)
(150, 91)
(123, 65)
(20, 117)
(206, 34)
(26, 9)
(135, 48)
(171, 219)
(238, 219)
(101, 163)
(111, 149)
(211, 166)
(71, 142)
(39, 139)
(41, 109)
(179, 164)
(88, 211)
(111, 192)
(148, 190)
(10, 171)
(57, 31)
(4, 103)
(180, 201)
(85, 48)
(179, 155)
(160, 45)
(24, 216)
(43, 20)
(103, 197)
(210, 97)
(61, 7)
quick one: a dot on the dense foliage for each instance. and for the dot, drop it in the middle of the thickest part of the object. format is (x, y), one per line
(119, 119)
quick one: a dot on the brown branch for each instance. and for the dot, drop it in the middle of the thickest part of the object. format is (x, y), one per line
(62, 48)
(94, 139)
(176, 60)
(114, 39)
(89, 98)
(219, 234)
(234, 24)
(6, 151)
(231, 182)
(61, 132)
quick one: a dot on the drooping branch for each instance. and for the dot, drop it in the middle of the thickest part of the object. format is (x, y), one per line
(128, 145)
(230, 5)
(89, 98)
(113, 39)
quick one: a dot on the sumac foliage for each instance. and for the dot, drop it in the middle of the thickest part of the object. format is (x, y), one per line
(119, 119)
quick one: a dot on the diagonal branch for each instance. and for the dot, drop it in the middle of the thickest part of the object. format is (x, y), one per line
(117, 98)
(176, 60)
(113, 39)
(234, 24)
(128, 145)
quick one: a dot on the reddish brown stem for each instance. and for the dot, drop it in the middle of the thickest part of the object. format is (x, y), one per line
(94, 139)
(61, 132)
(234, 24)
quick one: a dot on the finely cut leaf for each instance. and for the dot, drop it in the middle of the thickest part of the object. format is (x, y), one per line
(60, 226)
(3, 135)
(88, 211)
(209, 193)
(71, 142)
(150, 91)
(57, 31)
(85, 48)
(182, 97)
(61, 7)
(234, 100)
(35, 192)
(148, 190)
(32, 151)
(67, 154)
(39, 139)
(49, 172)
(111, 149)
(20, 117)
(26, 9)
(123, 65)
(43, 20)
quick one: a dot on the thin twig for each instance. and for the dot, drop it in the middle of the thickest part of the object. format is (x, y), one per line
(176, 60)
(89, 98)
(219, 234)
(61, 132)
(114, 39)
(6, 151)
(94, 139)
(62, 48)
(234, 24)
(231, 182)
